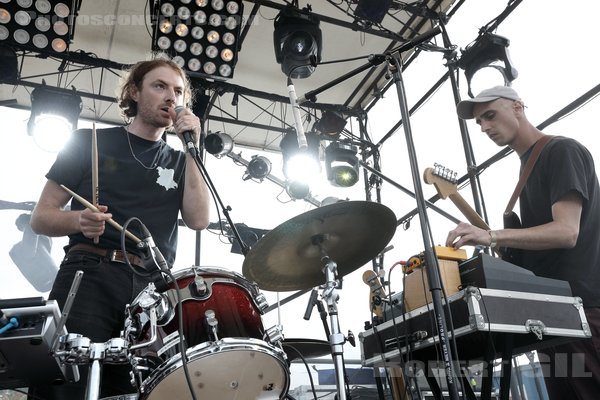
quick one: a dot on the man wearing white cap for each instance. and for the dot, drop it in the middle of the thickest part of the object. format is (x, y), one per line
(560, 233)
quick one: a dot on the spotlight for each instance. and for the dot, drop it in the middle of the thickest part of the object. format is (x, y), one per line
(201, 36)
(341, 164)
(331, 123)
(297, 190)
(297, 40)
(42, 25)
(300, 165)
(32, 256)
(54, 115)
(487, 51)
(258, 168)
(218, 144)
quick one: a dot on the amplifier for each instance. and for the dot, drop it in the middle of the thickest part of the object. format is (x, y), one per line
(485, 271)
(25, 351)
(480, 317)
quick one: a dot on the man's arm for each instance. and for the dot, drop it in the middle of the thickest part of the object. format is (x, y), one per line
(561, 232)
(51, 219)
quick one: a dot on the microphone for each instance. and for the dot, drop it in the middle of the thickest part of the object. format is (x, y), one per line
(155, 253)
(311, 303)
(188, 136)
(302, 143)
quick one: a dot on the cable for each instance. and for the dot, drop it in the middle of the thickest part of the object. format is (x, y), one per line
(182, 343)
(312, 384)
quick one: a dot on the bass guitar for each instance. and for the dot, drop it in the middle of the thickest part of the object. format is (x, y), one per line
(444, 180)
(376, 293)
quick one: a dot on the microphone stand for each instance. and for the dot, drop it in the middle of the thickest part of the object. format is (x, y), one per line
(434, 280)
(225, 209)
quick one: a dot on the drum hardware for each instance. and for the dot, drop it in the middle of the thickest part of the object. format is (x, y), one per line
(200, 285)
(274, 335)
(201, 289)
(211, 324)
(75, 349)
(153, 334)
(227, 351)
(330, 294)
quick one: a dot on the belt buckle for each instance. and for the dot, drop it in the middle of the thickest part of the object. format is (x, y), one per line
(113, 256)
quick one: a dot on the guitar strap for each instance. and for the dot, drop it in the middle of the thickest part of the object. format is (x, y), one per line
(535, 153)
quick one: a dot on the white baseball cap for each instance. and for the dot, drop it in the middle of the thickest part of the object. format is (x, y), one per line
(464, 109)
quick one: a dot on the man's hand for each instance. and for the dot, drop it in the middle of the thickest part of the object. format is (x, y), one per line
(92, 223)
(468, 235)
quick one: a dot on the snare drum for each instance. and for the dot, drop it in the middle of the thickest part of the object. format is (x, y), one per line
(222, 327)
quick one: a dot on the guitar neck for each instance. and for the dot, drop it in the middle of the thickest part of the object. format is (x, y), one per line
(467, 211)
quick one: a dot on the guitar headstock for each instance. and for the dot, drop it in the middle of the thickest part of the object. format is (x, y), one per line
(376, 290)
(444, 179)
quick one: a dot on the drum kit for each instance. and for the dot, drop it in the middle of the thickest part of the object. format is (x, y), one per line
(203, 336)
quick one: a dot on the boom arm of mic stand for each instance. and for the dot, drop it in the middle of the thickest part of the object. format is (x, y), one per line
(197, 159)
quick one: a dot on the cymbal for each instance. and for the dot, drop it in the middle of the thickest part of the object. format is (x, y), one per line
(287, 258)
(307, 348)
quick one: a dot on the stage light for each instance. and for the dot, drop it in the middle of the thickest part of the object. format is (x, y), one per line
(341, 164)
(32, 256)
(54, 115)
(331, 123)
(41, 25)
(297, 190)
(201, 36)
(297, 39)
(300, 165)
(488, 51)
(218, 144)
(259, 167)
(372, 10)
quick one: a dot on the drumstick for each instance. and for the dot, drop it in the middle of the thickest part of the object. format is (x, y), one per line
(95, 188)
(92, 207)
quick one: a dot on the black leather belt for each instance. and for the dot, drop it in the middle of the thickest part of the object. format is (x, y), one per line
(110, 254)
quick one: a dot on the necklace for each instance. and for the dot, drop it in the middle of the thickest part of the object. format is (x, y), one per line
(154, 162)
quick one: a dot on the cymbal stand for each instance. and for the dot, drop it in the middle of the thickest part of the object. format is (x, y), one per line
(331, 297)
(433, 276)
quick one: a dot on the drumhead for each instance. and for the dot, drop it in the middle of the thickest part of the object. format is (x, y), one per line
(231, 368)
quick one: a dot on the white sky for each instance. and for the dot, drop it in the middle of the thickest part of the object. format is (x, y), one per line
(553, 45)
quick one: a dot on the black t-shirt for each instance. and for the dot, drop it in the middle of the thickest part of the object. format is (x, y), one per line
(154, 195)
(565, 166)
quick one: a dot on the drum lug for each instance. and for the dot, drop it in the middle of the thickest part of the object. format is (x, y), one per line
(274, 335)
(261, 302)
(211, 324)
(200, 285)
